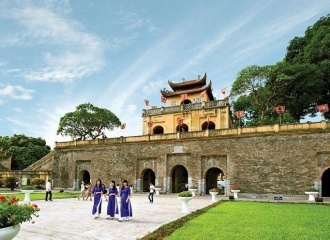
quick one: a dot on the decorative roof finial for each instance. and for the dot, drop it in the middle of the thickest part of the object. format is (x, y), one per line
(183, 79)
(199, 77)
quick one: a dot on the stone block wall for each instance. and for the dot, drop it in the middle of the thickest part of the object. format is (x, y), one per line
(278, 163)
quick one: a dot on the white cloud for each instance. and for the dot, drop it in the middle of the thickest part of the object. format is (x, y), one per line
(133, 21)
(77, 53)
(153, 87)
(19, 110)
(271, 32)
(16, 92)
(19, 123)
(205, 49)
(131, 107)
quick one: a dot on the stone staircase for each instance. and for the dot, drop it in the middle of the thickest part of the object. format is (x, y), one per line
(45, 163)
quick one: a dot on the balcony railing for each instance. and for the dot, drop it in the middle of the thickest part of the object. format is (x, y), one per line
(184, 108)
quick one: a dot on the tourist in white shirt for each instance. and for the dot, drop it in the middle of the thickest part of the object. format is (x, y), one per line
(82, 191)
(48, 191)
(151, 193)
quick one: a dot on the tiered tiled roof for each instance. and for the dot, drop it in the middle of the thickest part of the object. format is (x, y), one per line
(188, 87)
(196, 83)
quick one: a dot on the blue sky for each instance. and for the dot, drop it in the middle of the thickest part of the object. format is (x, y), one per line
(55, 55)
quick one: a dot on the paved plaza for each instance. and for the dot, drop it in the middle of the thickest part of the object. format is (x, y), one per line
(72, 219)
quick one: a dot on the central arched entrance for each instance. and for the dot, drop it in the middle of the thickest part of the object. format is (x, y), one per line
(158, 130)
(326, 183)
(148, 176)
(179, 178)
(211, 178)
(84, 176)
(182, 128)
(208, 125)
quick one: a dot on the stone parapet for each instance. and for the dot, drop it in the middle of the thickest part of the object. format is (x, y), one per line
(230, 132)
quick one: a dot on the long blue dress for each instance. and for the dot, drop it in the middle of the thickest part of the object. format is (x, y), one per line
(112, 202)
(125, 207)
(97, 199)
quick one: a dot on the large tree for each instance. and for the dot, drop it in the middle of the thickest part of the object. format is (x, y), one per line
(87, 122)
(24, 150)
(313, 50)
(258, 92)
(300, 81)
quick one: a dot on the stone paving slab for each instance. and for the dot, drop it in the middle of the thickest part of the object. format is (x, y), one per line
(73, 219)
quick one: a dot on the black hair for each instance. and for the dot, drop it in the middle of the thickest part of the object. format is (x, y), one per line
(114, 184)
(125, 181)
(100, 182)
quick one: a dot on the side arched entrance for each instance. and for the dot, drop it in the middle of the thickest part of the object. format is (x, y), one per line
(84, 176)
(148, 175)
(326, 183)
(179, 178)
(211, 178)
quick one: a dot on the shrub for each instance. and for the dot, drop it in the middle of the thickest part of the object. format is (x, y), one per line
(193, 187)
(185, 194)
(213, 190)
(37, 181)
(11, 182)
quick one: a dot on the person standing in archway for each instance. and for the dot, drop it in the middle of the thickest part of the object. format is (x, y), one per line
(97, 192)
(125, 202)
(151, 192)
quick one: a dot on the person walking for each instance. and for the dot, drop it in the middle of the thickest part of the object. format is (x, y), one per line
(112, 200)
(97, 192)
(48, 191)
(89, 191)
(125, 202)
(151, 193)
(82, 190)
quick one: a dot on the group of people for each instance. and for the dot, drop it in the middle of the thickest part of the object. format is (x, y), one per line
(83, 188)
(124, 194)
(99, 190)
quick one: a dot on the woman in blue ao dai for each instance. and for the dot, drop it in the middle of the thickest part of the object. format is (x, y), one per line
(97, 192)
(112, 201)
(125, 202)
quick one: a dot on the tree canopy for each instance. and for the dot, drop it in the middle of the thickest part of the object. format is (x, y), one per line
(87, 122)
(300, 82)
(24, 150)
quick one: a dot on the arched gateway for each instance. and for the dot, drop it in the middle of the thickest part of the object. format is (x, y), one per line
(211, 178)
(84, 176)
(148, 175)
(179, 178)
(326, 183)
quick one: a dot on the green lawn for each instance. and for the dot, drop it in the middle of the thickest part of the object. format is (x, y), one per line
(41, 195)
(258, 220)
